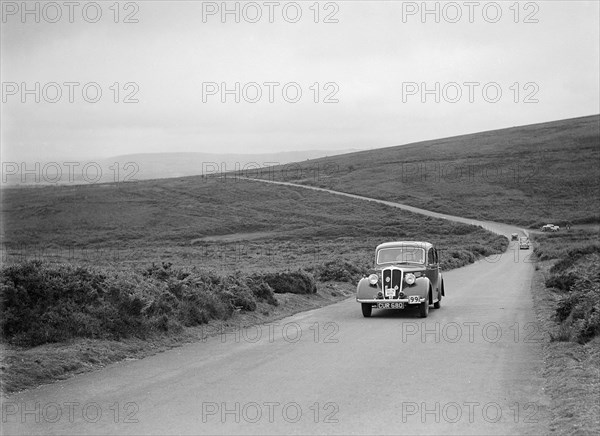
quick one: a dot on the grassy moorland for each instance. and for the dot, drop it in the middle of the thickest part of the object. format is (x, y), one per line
(214, 225)
(93, 272)
(528, 175)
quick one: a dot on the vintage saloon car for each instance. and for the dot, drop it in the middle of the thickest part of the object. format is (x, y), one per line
(407, 274)
(550, 228)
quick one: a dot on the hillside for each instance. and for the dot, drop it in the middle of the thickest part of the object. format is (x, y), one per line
(218, 225)
(526, 175)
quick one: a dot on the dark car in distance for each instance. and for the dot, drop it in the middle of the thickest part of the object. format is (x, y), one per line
(406, 274)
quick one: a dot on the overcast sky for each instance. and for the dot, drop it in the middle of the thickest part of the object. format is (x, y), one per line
(371, 65)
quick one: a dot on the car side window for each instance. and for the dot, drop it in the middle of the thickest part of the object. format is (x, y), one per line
(431, 257)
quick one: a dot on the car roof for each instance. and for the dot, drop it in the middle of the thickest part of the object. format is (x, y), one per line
(425, 245)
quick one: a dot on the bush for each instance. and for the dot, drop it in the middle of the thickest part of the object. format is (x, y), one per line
(294, 282)
(579, 310)
(338, 270)
(262, 291)
(43, 303)
(562, 282)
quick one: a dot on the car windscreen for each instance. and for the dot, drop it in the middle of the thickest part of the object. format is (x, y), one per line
(401, 255)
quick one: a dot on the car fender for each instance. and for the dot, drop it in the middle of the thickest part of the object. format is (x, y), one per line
(420, 288)
(365, 291)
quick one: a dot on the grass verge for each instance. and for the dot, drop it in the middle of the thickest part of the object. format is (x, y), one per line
(572, 349)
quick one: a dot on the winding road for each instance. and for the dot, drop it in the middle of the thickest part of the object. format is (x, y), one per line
(472, 367)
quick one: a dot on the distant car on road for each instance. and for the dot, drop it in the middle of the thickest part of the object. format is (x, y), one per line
(524, 243)
(550, 228)
(406, 274)
(514, 237)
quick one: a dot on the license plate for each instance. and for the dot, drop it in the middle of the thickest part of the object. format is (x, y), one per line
(414, 299)
(390, 305)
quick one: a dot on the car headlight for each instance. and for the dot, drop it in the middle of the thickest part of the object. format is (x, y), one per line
(373, 279)
(409, 279)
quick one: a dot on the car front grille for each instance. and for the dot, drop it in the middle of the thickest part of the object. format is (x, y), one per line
(391, 278)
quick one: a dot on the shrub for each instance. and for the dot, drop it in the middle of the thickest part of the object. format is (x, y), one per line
(43, 303)
(238, 295)
(338, 270)
(293, 282)
(262, 290)
(579, 310)
(562, 282)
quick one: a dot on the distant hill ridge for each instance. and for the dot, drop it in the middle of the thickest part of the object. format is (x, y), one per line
(526, 175)
(145, 166)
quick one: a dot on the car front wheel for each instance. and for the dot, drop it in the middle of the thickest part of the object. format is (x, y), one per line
(438, 303)
(366, 309)
(424, 309)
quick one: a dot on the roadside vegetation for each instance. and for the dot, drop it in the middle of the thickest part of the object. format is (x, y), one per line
(572, 276)
(566, 293)
(45, 303)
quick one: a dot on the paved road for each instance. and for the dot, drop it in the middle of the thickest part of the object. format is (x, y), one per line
(492, 226)
(472, 367)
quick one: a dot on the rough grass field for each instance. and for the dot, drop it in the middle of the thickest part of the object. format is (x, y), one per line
(153, 261)
(215, 225)
(528, 175)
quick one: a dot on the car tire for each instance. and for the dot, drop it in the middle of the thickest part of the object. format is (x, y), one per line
(424, 309)
(438, 303)
(366, 310)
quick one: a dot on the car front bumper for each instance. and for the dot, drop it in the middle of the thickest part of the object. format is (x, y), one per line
(381, 300)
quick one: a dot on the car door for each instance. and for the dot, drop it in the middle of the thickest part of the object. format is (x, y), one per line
(433, 271)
